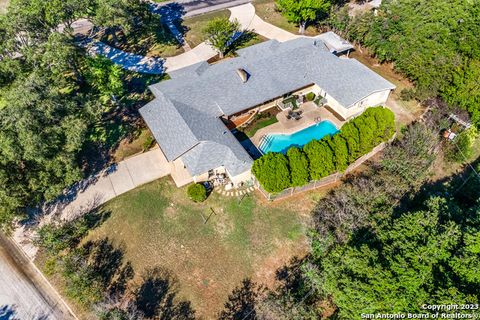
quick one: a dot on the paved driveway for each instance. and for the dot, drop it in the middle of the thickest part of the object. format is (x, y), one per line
(127, 60)
(115, 180)
(243, 13)
(96, 190)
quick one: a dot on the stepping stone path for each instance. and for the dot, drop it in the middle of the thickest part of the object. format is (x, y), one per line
(234, 193)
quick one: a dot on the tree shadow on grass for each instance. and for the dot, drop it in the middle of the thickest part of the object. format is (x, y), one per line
(241, 40)
(105, 260)
(241, 302)
(156, 296)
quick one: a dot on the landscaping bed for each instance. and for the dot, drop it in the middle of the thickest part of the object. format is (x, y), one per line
(142, 140)
(261, 120)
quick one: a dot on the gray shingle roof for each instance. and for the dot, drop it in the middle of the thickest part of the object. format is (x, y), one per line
(185, 116)
(171, 132)
(335, 43)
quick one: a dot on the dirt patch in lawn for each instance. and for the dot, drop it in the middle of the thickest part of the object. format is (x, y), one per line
(158, 225)
(140, 141)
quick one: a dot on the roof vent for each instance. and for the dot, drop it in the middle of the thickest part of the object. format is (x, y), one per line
(243, 75)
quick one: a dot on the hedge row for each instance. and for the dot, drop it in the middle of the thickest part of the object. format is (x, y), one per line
(320, 158)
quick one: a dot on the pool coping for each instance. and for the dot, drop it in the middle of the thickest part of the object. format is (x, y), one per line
(307, 121)
(262, 140)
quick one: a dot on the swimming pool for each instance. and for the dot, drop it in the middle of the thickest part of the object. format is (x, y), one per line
(282, 142)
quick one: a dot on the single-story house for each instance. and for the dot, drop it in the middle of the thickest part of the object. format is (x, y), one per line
(186, 115)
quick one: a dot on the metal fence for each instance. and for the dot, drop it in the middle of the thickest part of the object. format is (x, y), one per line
(333, 178)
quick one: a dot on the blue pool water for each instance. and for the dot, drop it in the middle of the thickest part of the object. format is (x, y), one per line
(282, 142)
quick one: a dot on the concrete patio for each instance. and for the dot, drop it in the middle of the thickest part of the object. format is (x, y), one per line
(311, 114)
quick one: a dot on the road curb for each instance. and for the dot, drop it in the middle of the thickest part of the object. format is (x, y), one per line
(42, 276)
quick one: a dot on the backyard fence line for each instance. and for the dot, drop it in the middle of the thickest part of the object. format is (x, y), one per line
(328, 180)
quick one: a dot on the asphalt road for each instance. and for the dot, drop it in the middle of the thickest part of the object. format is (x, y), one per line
(196, 7)
(24, 293)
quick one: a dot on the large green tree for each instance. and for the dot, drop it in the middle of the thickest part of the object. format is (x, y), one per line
(303, 12)
(220, 33)
(397, 268)
(53, 97)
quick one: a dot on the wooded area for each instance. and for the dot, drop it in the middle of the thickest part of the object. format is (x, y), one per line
(388, 240)
(56, 102)
(433, 43)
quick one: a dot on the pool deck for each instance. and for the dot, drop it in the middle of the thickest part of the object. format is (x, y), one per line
(311, 114)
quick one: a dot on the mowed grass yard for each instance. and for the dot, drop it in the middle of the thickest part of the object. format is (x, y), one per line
(157, 224)
(193, 27)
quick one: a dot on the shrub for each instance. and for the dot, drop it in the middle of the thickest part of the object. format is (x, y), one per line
(464, 145)
(340, 150)
(385, 120)
(272, 172)
(407, 94)
(367, 127)
(310, 96)
(197, 192)
(320, 157)
(298, 166)
(352, 137)
(148, 143)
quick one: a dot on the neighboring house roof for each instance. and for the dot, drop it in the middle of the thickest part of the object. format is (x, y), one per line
(184, 118)
(335, 43)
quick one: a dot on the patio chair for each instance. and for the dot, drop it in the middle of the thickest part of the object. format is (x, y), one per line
(288, 117)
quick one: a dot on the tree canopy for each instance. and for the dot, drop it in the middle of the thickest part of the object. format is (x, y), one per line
(53, 97)
(220, 33)
(303, 12)
(388, 240)
(433, 43)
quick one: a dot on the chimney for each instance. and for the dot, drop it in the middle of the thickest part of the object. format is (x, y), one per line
(243, 75)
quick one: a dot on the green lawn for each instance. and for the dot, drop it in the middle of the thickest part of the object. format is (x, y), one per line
(157, 225)
(193, 26)
(258, 124)
(266, 9)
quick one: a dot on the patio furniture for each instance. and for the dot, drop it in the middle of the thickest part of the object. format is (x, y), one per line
(320, 101)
